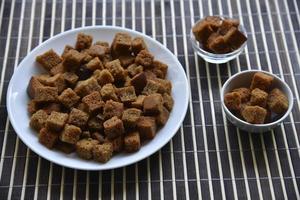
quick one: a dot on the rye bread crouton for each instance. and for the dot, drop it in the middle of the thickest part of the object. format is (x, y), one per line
(254, 114)
(78, 118)
(127, 94)
(34, 83)
(58, 69)
(151, 87)
(94, 64)
(153, 104)
(94, 102)
(116, 69)
(168, 101)
(113, 108)
(113, 127)
(160, 69)
(130, 117)
(258, 98)
(132, 142)
(108, 92)
(103, 77)
(71, 78)
(48, 137)
(73, 59)
(138, 103)
(56, 121)
(277, 101)
(70, 134)
(38, 120)
(86, 87)
(45, 94)
(262, 81)
(139, 82)
(68, 98)
(84, 41)
(134, 69)
(233, 101)
(84, 148)
(162, 117)
(138, 44)
(146, 127)
(103, 152)
(121, 44)
(49, 59)
(144, 58)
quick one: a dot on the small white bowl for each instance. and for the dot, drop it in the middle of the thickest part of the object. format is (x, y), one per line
(213, 57)
(243, 79)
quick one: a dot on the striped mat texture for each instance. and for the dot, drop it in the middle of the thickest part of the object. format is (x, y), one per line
(208, 158)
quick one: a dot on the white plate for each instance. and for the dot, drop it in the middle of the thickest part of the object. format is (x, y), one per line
(17, 99)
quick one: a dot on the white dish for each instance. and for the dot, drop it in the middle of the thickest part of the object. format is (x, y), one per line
(17, 99)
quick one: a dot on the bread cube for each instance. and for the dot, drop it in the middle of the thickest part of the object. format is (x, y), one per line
(115, 68)
(130, 117)
(86, 57)
(38, 120)
(99, 137)
(103, 152)
(84, 41)
(103, 77)
(217, 44)
(33, 84)
(132, 142)
(159, 69)
(73, 60)
(153, 104)
(85, 134)
(277, 101)
(70, 134)
(121, 44)
(150, 75)
(144, 58)
(127, 81)
(261, 81)
(94, 102)
(58, 69)
(71, 78)
(126, 60)
(56, 121)
(68, 98)
(78, 118)
(118, 144)
(45, 94)
(151, 87)
(234, 38)
(214, 21)
(50, 107)
(113, 127)
(48, 137)
(168, 101)
(64, 147)
(233, 101)
(57, 81)
(165, 86)
(254, 114)
(83, 107)
(139, 82)
(162, 117)
(202, 30)
(113, 108)
(108, 92)
(32, 107)
(127, 94)
(227, 24)
(138, 103)
(146, 127)
(258, 98)
(83, 72)
(134, 69)
(245, 93)
(138, 44)
(95, 123)
(49, 59)
(94, 64)
(96, 51)
(84, 148)
(102, 43)
(66, 50)
(87, 86)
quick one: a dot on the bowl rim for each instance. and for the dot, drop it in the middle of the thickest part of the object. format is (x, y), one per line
(227, 111)
(196, 45)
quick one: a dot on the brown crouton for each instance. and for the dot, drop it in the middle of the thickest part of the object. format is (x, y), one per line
(70, 134)
(34, 83)
(121, 44)
(202, 30)
(138, 44)
(96, 51)
(144, 58)
(95, 123)
(233, 101)
(38, 120)
(84, 148)
(85, 134)
(83, 72)
(127, 82)
(168, 101)
(94, 102)
(150, 75)
(146, 127)
(138, 103)
(245, 93)
(99, 137)
(56, 121)
(87, 86)
(130, 117)
(108, 92)
(78, 117)
(151, 87)
(66, 50)
(45, 94)
(254, 114)
(159, 69)
(57, 81)
(86, 57)
(261, 81)
(127, 94)
(234, 38)
(58, 69)
(64, 147)
(153, 104)
(139, 82)
(84, 41)
(32, 107)
(73, 60)
(94, 64)
(162, 117)
(103, 77)
(48, 137)
(68, 98)
(112, 108)
(103, 152)
(227, 24)
(102, 43)
(277, 101)
(113, 127)
(132, 142)
(134, 69)
(126, 60)
(118, 144)
(115, 68)
(49, 59)
(71, 78)
(50, 107)
(258, 98)
(165, 86)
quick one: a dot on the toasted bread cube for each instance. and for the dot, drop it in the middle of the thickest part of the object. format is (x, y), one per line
(64, 147)
(96, 51)
(138, 103)
(34, 83)
(126, 60)
(113, 127)
(261, 81)
(32, 107)
(151, 87)
(254, 114)
(83, 107)
(159, 69)
(58, 69)
(132, 142)
(108, 92)
(233, 101)
(227, 24)
(121, 44)
(139, 82)
(234, 38)
(83, 72)
(127, 94)
(146, 127)
(95, 123)
(134, 69)
(85, 134)
(38, 120)
(94, 102)
(138, 44)
(70, 134)
(218, 44)
(103, 77)
(130, 117)
(66, 50)
(50, 107)
(57, 81)
(87, 86)
(70, 77)
(153, 104)
(150, 75)
(277, 101)
(144, 58)
(84, 148)
(214, 21)
(202, 30)
(48, 137)
(99, 137)
(84, 41)
(86, 57)
(49, 59)
(165, 86)
(118, 144)
(258, 98)
(115, 68)
(162, 117)
(103, 152)
(245, 93)
(94, 64)
(168, 101)
(127, 82)
(73, 59)
(102, 43)
(113, 108)
(56, 121)
(68, 98)
(78, 117)
(45, 94)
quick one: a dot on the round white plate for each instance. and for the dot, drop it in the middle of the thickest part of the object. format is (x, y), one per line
(17, 99)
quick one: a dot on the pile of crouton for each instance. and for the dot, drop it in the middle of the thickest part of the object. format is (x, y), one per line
(99, 99)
